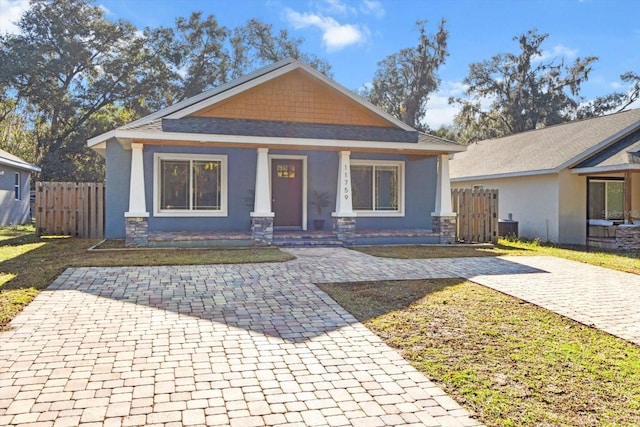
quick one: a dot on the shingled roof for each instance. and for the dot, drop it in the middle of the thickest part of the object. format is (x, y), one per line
(606, 140)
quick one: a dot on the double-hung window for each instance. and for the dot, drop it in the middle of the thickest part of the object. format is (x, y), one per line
(16, 187)
(190, 185)
(377, 187)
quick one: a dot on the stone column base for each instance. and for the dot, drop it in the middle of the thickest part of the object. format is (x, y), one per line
(627, 237)
(446, 227)
(344, 227)
(262, 229)
(136, 232)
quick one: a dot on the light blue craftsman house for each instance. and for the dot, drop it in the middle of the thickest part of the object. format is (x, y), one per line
(268, 158)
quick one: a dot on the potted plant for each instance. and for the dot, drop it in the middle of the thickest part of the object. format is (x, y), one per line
(319, 200)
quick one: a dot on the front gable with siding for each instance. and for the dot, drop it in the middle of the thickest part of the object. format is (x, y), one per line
(247, 159)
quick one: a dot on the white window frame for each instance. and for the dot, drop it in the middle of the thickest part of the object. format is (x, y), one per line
(17, 191)
(158, 157)
(401, 189)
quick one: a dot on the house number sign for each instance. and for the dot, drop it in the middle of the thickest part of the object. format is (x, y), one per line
(347, 185)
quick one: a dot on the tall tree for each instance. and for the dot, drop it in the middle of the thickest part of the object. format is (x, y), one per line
(517, 92)
(404, 80)
(616, 101)
(255, 44)
(70, 74)
(67, 63)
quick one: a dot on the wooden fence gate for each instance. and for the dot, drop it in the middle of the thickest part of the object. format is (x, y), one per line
(70, 209)
(477, 210)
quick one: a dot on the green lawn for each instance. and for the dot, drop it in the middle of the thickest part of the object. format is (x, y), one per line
(29, 264)
(508, 362)
(628, 261)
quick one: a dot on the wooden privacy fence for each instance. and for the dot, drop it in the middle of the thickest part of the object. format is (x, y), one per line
(477, 210)
(70, 209)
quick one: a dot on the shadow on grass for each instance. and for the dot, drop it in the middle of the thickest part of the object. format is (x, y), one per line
(29, 264)
(368, 300)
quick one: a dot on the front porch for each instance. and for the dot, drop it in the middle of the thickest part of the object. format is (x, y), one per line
(290, 238)
(277, 204)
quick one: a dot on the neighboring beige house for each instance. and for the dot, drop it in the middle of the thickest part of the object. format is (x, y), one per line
(574, 183)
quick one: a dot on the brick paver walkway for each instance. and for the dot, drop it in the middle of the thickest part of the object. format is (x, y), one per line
(599, 297)
(252, 344)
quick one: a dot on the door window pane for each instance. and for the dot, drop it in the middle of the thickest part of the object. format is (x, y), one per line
(615, 200)
(606, 199)
(597, 200)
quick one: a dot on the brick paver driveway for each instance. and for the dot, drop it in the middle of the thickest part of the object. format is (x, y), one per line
(252, 344)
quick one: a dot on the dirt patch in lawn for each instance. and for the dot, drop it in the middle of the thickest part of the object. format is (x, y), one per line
(508, 362)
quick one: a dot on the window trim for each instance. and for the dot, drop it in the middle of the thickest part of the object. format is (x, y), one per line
(17, 190)
(401, 187)
(158, 157)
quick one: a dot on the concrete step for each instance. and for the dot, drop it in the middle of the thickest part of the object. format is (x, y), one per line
(309, 243)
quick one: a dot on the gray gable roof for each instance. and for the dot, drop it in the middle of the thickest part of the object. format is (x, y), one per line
(9, 159)
(546, 150)
(624, 151)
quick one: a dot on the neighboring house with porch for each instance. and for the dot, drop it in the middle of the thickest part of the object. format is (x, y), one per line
(251, 160)
(15, 189)
(575, 183)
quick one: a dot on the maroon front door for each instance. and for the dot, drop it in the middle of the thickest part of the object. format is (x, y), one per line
(286, 192)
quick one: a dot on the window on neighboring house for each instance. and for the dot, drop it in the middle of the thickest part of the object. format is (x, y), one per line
(16, 187)
(377, 187)
(190, 185)
(606, 199)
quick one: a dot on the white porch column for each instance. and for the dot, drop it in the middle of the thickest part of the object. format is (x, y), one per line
(344, 205)
(262, 195)
(137, 199)
(136, 232)
(262, 216)
(443, 189)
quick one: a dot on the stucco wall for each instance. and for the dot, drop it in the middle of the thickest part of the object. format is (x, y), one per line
(295, 97)
(533, 201)
(14, 211)
(572, 213)
(420, 182)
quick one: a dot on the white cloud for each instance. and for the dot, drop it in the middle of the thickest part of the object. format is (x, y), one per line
(556, 52)
(439, 111)
(372, 7)
(335, 36)
(336, 7)
(104, 9)
(10, 13)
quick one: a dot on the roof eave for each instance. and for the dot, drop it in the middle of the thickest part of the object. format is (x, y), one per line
(606, 169)
(505, 175)
(19, 165)
(600, 146)
(285, 141)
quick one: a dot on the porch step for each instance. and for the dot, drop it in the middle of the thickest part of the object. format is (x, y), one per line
(308, 242)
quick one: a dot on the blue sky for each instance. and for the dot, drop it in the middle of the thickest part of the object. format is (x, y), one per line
(353, 36)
